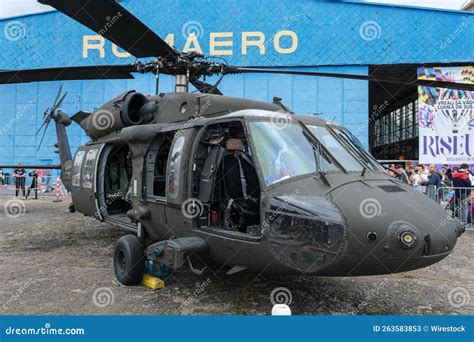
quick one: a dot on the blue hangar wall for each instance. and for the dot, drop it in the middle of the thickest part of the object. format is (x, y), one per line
(325, 35)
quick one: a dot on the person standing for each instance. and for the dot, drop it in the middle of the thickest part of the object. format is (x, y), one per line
(20, 175)
(462, 184)
(34, 184)
(47, 177)
(447, 171)
(418, 177)
(433, 183)
(401, 175)
(40, 174)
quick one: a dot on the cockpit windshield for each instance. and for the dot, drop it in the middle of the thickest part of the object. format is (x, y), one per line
(337, 150)
(286, 151)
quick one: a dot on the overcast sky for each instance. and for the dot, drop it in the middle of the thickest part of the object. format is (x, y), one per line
(10, 8)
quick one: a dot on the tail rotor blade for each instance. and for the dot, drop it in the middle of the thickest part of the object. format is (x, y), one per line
(57, 95)
(44, 121)
(44, 133)
(59, 103)
(37, 132)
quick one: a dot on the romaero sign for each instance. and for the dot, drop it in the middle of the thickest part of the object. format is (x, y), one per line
(282, 42)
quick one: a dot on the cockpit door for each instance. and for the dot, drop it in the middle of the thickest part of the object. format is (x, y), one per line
(84, 180)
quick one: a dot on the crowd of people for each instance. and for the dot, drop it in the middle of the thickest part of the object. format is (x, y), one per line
(447, 184)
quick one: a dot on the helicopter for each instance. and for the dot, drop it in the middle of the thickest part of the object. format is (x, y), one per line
(244, 183)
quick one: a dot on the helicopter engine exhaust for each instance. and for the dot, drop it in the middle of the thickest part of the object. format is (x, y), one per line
(127, 109)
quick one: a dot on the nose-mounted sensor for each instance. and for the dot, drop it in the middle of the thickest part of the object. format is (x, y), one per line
(406, 238)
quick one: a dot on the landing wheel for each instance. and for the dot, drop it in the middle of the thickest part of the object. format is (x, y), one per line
(72, 208)
(129, 260)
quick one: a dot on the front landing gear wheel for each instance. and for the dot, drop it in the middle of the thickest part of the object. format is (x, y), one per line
(129, 260)
(72, 208)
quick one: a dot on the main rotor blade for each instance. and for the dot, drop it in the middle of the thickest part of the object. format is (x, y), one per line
(68, 73)
(114, 22)
(370, 78)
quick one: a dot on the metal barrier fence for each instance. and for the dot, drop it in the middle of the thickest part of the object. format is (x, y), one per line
(46, 185)
(458, 201)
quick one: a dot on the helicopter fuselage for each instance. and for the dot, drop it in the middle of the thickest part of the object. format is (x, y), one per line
(215, 174)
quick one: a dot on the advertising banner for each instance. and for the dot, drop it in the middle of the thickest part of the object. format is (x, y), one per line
(446, 118)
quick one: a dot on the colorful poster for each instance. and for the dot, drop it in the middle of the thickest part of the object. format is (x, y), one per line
(446, 118)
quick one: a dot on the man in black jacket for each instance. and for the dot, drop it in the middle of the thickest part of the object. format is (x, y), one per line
(434, 180)
(462, 184)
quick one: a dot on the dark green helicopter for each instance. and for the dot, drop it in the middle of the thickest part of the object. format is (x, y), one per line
(243, 183)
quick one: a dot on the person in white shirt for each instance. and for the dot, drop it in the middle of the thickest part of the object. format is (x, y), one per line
(418, 177)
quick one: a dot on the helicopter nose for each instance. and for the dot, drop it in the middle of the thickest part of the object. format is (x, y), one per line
(393, 227)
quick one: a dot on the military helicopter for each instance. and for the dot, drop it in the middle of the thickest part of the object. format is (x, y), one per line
(243, 183)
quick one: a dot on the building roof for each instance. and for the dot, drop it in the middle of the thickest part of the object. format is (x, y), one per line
(326, 33)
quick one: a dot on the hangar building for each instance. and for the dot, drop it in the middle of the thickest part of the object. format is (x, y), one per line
(333, 36)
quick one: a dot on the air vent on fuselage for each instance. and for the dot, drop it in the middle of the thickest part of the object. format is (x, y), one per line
(391, 188)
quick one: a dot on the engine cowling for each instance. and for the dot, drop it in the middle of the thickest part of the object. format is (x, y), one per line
(120, 112)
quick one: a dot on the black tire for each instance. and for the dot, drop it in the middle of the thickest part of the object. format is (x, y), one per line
(72, 208)
(129, 260)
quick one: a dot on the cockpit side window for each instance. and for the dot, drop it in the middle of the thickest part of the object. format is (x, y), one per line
(337, 150)
(355, 145)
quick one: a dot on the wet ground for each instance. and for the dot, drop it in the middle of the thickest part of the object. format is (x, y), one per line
(53, 262)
